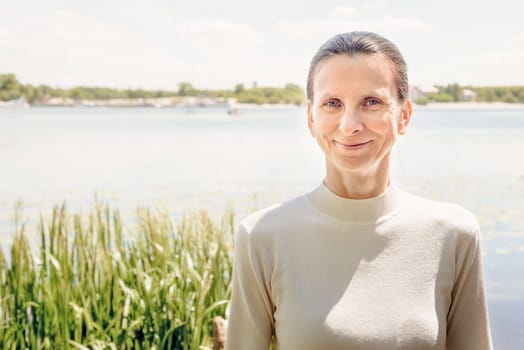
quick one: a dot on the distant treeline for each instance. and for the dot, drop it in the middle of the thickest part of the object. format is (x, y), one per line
(457, 93)
(12, 89)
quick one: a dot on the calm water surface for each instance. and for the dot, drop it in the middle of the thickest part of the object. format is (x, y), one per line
(185, 160)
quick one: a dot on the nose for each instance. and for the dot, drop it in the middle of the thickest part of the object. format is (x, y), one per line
(350, 122)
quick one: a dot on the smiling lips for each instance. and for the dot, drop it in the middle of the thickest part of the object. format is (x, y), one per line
(351, 146)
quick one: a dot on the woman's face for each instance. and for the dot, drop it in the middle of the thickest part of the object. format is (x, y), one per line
(355, 115)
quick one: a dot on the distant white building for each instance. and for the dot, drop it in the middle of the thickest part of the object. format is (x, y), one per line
(468, 95)
(417, 91)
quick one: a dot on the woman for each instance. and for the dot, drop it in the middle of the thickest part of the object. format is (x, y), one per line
(358, 263)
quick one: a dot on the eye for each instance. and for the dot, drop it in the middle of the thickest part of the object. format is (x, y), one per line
(332, 103)
(370, 102)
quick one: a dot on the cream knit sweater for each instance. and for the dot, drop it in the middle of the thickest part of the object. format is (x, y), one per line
(391, 272)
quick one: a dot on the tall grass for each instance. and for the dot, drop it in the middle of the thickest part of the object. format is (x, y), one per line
(87, 284)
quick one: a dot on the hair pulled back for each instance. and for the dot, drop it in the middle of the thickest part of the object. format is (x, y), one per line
(366, 43)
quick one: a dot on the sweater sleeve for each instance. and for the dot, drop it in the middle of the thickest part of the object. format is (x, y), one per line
(467, 320)
(250, 324)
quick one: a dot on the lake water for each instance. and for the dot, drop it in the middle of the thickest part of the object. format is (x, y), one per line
(185, 160)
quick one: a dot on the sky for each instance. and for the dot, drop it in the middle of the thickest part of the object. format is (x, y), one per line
(157, 44)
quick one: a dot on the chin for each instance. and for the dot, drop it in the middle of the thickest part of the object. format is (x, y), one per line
(351, 167)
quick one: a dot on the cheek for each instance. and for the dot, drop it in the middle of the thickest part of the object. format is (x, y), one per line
(324, 125)
(384, 124)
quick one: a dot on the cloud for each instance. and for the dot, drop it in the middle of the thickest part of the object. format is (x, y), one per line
(405, 23)
(66, 32)
(512, 54)
(521, 249)
(489, 68)
(375, 4)
(495, 67)
(220, 32)
(344, 11)
(328, 27)
(517, 40)
(67, 13)
(68, 48)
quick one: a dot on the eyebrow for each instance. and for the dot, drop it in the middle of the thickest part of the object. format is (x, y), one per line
(369, 93)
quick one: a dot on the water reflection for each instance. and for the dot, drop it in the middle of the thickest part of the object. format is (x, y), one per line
(207, 159)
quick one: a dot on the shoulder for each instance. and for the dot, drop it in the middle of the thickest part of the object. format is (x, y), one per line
(274, 217)
(442, 216)
(258, 234)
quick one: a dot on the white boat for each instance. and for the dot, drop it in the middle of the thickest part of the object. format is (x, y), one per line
(18, 103)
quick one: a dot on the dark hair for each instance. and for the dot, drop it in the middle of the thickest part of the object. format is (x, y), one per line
(366, 43)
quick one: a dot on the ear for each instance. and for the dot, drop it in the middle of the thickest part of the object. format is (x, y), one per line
(310, 121)
(405, 117)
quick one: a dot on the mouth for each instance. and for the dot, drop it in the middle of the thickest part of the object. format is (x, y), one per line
(351, 146)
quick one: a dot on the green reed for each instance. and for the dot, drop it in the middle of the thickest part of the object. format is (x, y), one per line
(87, 284)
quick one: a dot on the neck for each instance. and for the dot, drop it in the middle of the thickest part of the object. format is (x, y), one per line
(358, 184)
(356, 211)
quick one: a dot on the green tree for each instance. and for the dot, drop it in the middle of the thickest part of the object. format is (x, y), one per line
(422, 101)
(186, 89)
(29, 92)
(453, 90)
(486, 94)
(78, 93)
(294, 94)
(440, 97)
(509, 98)
(521, 96)
(9, 87)
(45, 91)
(239, 88)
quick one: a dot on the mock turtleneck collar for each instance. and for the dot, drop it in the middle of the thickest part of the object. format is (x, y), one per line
(367, 210)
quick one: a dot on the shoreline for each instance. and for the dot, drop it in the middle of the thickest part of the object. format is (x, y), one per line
(470, 105)
(240, 106)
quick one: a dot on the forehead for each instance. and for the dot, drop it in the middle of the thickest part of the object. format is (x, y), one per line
(356, 74)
